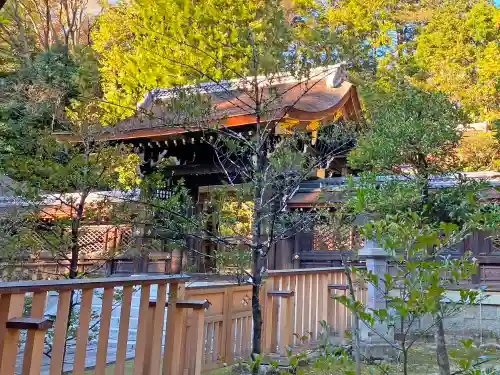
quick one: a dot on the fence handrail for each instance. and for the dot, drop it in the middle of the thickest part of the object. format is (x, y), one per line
(303, 271)
(49, 285)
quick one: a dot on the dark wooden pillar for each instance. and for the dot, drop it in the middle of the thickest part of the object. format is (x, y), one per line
(284, 254)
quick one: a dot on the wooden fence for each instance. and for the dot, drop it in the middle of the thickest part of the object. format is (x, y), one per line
(206, 326)
(228, 325)
(293, 304)
(16, 315)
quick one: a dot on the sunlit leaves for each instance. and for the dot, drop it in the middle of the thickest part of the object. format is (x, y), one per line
(157, 44)
(409, 128)
(457, 53)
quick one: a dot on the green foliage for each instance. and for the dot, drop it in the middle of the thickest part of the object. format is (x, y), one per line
(148, 44)
(472, 359)
(38, 102)
(363, 27)
(416, 133)
(337, 361)
(419, 279)
(442, 46)
(479, 151)
(457, 205)
(457, 53)
(409, 128)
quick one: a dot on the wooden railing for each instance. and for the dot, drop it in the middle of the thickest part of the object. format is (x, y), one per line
(228, 325)
(206, 326)
(290, 318)
(293, 304)
(17, 315)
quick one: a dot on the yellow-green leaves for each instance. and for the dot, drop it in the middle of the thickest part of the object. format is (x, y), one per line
(457, 53)
(147, 44)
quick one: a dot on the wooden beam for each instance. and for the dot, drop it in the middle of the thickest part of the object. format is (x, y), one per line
(337, 287)
(105, 322)
(11, 305)
(192, 304)
(48, 285)
(175, 333)
(281, 293)
(29, 323)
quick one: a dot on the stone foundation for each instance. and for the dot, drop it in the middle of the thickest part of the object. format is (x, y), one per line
(478, 322)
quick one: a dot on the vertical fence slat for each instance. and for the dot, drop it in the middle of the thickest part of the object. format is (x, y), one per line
(323, 297)
(249, 338)
(234, 332)
(293, 288)
(243, 333)
(198, 325)
(207, 350)
(121, 349)
(346, 322)
(227, 326)
(331, 303)
(142, 329)
(246, 336)
(11, 306)
(337, 315)
(217, 340)
(314, 306)
(306, 318)
(33, 349)
(268, 317)
(60, 328)
(187, 365)
(299, 311)
(285, 324)
(149, 342)
(237, 337)
(82, 333)
(224, 328)
(157, 323)
(274, 325)
(104, 324)
(287, 286)
(243, 328)
(174, 343)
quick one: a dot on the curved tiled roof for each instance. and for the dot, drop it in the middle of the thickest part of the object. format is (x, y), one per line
(232, 103)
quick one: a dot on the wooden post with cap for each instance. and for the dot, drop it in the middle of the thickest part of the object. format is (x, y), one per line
(286, 318)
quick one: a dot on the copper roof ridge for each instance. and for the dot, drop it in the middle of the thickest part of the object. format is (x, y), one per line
(335, 75)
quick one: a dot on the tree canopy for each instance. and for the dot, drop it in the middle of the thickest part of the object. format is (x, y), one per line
(457, 53)
(148, 44)
(409, 128)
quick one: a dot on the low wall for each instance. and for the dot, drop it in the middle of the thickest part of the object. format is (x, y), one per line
(480, 322)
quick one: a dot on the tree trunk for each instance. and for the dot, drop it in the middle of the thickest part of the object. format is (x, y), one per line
(256, 314)
(405, 362)
(24, 48)
(441, 350)
(257, 252)
(75, 232)
(75, 254)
